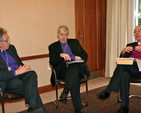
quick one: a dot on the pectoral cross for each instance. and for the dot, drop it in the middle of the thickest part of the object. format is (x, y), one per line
(9, 68)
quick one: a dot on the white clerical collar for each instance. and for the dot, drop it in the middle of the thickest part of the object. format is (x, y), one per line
(139, 43)
(1, 50)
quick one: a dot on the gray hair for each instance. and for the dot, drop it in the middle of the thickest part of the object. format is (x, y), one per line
(64, 27)
(2, 31)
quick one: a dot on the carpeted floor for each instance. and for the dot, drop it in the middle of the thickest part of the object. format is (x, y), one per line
(96, 105)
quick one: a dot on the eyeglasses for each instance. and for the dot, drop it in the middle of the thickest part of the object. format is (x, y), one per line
(7, 40)
(137, 31)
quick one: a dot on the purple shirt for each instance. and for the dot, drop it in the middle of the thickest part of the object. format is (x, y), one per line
(11, 61)
(66, 49)
(135, 54)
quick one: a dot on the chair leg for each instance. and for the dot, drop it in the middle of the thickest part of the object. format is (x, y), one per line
(86, 104)
(3, 111)
(87, 93)
(138, 96)
(56, 101)
(130, 96)
(118, 97)
(2, 101)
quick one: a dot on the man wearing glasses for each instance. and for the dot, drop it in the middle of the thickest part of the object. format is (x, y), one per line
(16, 77)
(122, 74)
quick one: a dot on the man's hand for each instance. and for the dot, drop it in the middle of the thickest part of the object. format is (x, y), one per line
(127, 49)
(65, 56)
(138, 48)
(22, 69)
(77, 58)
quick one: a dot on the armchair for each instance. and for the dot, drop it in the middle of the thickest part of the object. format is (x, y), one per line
(7, 96)
(132, 80)
(62, 82)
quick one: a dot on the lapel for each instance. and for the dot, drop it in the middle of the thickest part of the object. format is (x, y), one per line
(70, 44)
(11, 53)
(133, 45)
(73, 46)
(3, 62)
(58, 46)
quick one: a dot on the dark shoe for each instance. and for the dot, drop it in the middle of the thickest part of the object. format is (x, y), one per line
(78, 110)
(35, 109)
(102, 95)
(123, 110)
(63, 95)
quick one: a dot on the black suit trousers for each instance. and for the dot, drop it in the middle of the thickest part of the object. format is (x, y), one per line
(25, 85)
(72, 75)
(121, 79)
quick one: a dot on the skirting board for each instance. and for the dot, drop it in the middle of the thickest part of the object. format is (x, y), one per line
(48, 88)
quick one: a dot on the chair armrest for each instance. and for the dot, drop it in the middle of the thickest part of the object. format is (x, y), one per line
(53, 70)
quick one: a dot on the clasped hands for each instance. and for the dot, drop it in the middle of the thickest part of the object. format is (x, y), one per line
(67, 57)
(22, 69)
(130, 48)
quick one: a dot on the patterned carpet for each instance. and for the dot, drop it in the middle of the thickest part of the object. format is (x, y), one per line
(96, 105)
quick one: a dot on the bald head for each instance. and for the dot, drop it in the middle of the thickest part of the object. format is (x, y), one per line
(137, 33)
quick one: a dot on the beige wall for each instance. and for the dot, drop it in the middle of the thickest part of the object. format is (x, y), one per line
(32, 26)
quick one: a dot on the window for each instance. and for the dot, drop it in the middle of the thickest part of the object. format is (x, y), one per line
(138, 12)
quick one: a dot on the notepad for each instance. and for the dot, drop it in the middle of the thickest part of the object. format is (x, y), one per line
(74, 61)
(126, 61)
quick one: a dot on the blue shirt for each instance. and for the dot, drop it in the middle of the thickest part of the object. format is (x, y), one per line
(9, 60)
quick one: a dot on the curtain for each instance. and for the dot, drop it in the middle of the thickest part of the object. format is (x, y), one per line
(119, 30)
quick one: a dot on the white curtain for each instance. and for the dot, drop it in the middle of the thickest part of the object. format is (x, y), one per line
(119, 30)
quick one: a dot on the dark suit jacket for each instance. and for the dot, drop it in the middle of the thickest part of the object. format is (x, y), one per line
(128, 54)
(6, 75)
(57, 62)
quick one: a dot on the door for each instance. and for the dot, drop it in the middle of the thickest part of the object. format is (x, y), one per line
(90, 17)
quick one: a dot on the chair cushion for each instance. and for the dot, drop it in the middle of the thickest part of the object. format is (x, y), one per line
(12, 96)
(83, 80)
(135, 80)
(62, 82)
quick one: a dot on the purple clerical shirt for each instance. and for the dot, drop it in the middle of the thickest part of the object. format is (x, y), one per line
(66, 49)
(135, 54)
(9, 60)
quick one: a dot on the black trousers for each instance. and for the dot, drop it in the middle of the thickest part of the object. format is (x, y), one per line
(72, 75)
(25, 85)
(121, 79)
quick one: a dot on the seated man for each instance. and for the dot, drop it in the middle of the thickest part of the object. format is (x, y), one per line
(122, 74)
(16, 77)
(66, 50)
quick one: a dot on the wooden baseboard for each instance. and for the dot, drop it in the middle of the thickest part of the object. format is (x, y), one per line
(48, 88)
(41, 90)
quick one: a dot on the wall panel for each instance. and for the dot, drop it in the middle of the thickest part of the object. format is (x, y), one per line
(32, 26)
